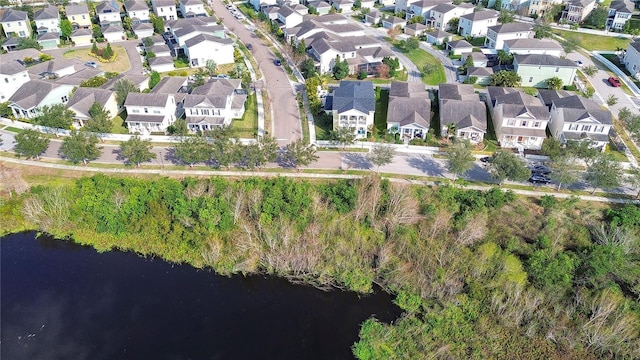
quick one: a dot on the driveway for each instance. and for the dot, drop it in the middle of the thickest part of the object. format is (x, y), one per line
(284, 107)
(414, 74)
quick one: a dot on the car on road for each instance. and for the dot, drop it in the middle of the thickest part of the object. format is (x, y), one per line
(539, 179)
(249, 47)
(277, 62)
(579, 63)
(614, 81)
(92, 64)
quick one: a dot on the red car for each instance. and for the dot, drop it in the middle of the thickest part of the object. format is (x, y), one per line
(615, 82)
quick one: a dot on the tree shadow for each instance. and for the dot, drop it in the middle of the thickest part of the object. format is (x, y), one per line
(356, 161)
(426, 164)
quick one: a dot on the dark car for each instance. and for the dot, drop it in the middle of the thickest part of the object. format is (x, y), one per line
(277, 62)
(249, 47)
(486, 159)
(540, 169)
(539, 179)
(615, 82)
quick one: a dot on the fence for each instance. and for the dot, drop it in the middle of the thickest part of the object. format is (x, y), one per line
(623, 77)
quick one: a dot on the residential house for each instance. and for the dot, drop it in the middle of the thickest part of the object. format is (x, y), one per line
(12, 76)
(386, 3)
(574, 118)
(55, 68)
(288, 17)
(299, 8)
(154, 40)
(362, 53)
(519, 119)
(496, 35)
(402, 5)
(479, 59)
(165, 9)
(192, 8)
(147, 113)
(109, 13)
(11, 44)
(462, 112)
(438, 37)
(114, 33)
(620, 12)
(533, 46)
(576, 11)
(319, 26)
(367, 4)
(459, 46)
(140, 81)
(536, 69)
(79, 16)
(82, 74)
(138, 11)
(514, 5)
(215, 103)
(415, 29)
(47, 20)
(632, 59)
(342, 6)
(419, 7)
(49, 40)
(143, 30)
(83, 98)
(393, 22)
(353, 105)
(15, 23)
(373, 17)
(182, 34)
(205, 47)
(409, 110)
(35, 94)
(159, 50)
(476, 24)
(272, 12)
(320, 7)
(81, 36)
(260, 5)
(161, 64)
(540, 7)
(482, 74)
(441, 15)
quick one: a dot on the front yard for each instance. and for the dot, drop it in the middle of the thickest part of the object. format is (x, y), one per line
(247, 126)
(422, 58)
(596, 42)
(119, 65)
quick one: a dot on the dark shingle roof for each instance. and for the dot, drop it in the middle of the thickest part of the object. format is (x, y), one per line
(622, 6)
(48, 36)
(548, 96)
(11, 68)
(533, 44)
(83, 98)
(481, 15)
(635, 45)
(47, 12)
(170, 85)
(407, 89)
(32, 93)
(510, 28)
(135, 5)
(459, 44)
(356, 95)
(81, 32)
(463, 113)
(206, 37)
(107, 7)
(576, 108)
(543, 60)
(515, 102)
(160, 60)
(457, 92)
(164, 3)
(146, 99)
(13, 15)
(407, 111)
(479, 71)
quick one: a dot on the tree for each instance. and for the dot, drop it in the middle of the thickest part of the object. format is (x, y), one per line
(453, 23)
(178, 128)
(211, 67)
(158, 23)
(460, 158)
(383, 71)
(192, 149)
(571, 44)
(199, 77)
(411, 44)
(381, 155)
(590, 70)
(80, 147)
(344, 136)
(97, 32)
(108, 52)
(127, 23)
(612, 100)
(308, 68)
(542, 31)
(416, 20)
(505, 78)
(429, 69)
(99, 121)
(5, 110)
(362, 75)
(55, 116)
(583, 150)
(506, 16)
(552, 148)
(225, 150)
(136, 151)
(634, 179)
(30, 144)
(589, 92)
(301, 48)
(94, 82)
(505, 165)
(257, 154)
(393, 32)
(299, 154)
(603, 173)
(505, 58)
(123, 88)
(66, 28)
(565, 171)
(554, 83)
(154, 79)
(468, 62)
(598, 17)
(340, 69)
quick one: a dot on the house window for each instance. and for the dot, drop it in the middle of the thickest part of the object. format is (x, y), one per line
(6, 80)
(205, 111)
(573, 127)
(146, 111)
(511, 122)
(156, 111)
(19, 23)
(135, 111)
(524, 123)
(536, 124)
(557, 69)
(586, 128)
(83, 17)
(22, 33)
(531, 79)
(599, 129)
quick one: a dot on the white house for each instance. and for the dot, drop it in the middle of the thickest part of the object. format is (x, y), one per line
(373, 17)
(79, 16)
(620, 12)
(441, 15)
(143, 30)
(288, 17)
(15, 23)
(393, 22)
(632, 59)
(353, 105)
(205, 47)
(215, 103)
(148, 113)
(361, 52)
(514, 5)
(192, 8)
(12, 75)
(343, 6)
(459, 47)
(418, 8)
(47, 19)
(56, 68)
(187, 32)
(438, 37)
(83, 98)
(165, 9)
(81, 36)
(540, 7)
(321, 7)
(108, 13)
(533, 46)
(409, 111)
(161, 64)
(476, 23)
(138, 11)
(462, 111)
(35, 94)
(496, 35)
(114, 33)
(576, 11)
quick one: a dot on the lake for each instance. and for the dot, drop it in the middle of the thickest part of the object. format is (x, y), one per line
(60, 300)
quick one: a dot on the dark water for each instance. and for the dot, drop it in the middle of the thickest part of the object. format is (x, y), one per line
(64, 301)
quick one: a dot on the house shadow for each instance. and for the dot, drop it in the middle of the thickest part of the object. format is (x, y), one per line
(427, 165)
(356, 161)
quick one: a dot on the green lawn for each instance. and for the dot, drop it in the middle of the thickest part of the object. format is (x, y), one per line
(248, 125)
(323, 124)
(118, 124)
(596, 42)
(382, 105)
(479, 41)
(422, 58)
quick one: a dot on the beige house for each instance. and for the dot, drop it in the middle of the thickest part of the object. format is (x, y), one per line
(83, 98)
(576, 11)
(78, 14)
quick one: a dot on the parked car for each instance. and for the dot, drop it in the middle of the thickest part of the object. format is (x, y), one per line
(486, 159)
(277, 62)
(249, 47)
(539, 179)
(615, 82)
(540, 169)
(579, 63)
(92, 64)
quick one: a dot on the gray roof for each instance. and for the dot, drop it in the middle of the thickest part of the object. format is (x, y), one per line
(464, 92)
(439, 34)
(191, 28)
(319, 4)
(159, 48)
(142, 26)
(443, 8)
(12, 41)
(47, 12)
(48, 36)
(11, 68)
(532, 44)
(622, 6)
(107, 7)
(479, 71)
(515, 103)
(76, 9)
(212, 120)
(427, 3)
(576, 108)
(170, 85)
(216, 101)
(543, 60)
(356, 95)
(574, 135)
(18, 55)
(510, 28)
(137, 80)
(13, 15)
(416, 26)
(191, 2)
(81, 32)
(144, 118)
(481, 15)
(522, 131)
(286, 11)
(135, 5)
(206, 37)
(376, 52)
(83, 98)
(146, 99)
(459, 44)
(32, 93)
(463, 113)
(160, 60)
(548, 96)
(55, 65)
(407, 89)
(582, 3)
(394, 20)
(635, 45)
(112, 28)
(163, 3)
(409, 111)
(214, 93)
(79, 76)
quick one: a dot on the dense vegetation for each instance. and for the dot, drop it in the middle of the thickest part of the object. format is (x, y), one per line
(479, 274)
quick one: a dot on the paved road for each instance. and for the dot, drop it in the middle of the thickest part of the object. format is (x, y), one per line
(286, 118)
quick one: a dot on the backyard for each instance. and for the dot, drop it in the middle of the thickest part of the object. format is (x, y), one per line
(119, 65)
(421, 58)
(247, 126)
(596, 42)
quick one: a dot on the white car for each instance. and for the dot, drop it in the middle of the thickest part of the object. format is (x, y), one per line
(579, 63)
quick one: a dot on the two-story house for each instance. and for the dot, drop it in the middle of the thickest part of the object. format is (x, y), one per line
(352, 105)
(320, 7)
(12, 75)
(47, 20)
(419, 7)
(148, 113)
(288, 17)
(576, 11)
(409, 110)
(15, 23)
(540, 7)
(192, 8)
(620, 12)
(440, 16)
(214, 104)
(138, 11)
(462, 112)
(165, 9)
(533, 46)
(35, 94)
(362, 53)
(514, 5)
(496, 35)
(83, 98)
(205, 47)
(477, 23)
(343, 6)
(79, 16)
(108, 13)
(632, 59)
(535, 69)
(520, 120)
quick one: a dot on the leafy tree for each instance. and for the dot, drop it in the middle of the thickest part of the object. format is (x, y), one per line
(225, 148)
(94, 49)
(66, 28)
(178, 128)
(357, 5)
(598, 17)
(192, 149)
(97, 32)
(497, 5)
(308, 68)
(565, 171)
(604, 173)
(542, 31)
(5, 110)
(590, 70)
(343, 136)
(551, 272)
(199, 77)
(552, 148)
(589, 92)
(393, 32)
(505, 78)
(158, 24)
(460, 158)
(136, 151)
(108, 52)
(123, 88)
(99, 121)
(505, 165)
(94, 82)
(55, 116)
(80, 147)
(506, 16)
(505, 58)
(362, 75)
(28, 43)
(30, 144)
(257, 154)
(154, 79)
(554, 83)
(411, 44)
(612, 100)
(127, 23)
(381, 155)
(299, 154)
(301, 48)
(211, 67)
(583, 150)
(416, 20)
(634, 179)
(453, 23)
(429, 69)
(340, 69)
(571, 44)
